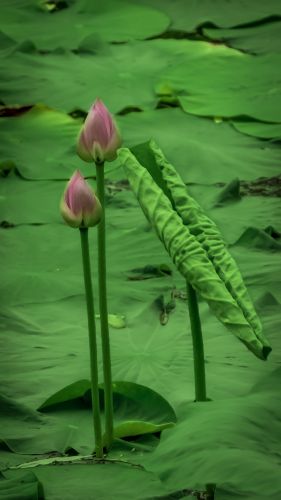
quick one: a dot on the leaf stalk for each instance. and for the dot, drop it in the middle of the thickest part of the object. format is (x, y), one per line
(197, 343)
(108, 399)
(92, 340)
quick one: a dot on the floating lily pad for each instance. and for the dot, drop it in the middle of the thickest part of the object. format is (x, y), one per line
(258, 129)
(110, 21)
(257, 238)
(126, 478)
(25, 431)
(187, 16)
(25, 486)
(27, 137)
(226, 432)
(137, 409)
(259, 39)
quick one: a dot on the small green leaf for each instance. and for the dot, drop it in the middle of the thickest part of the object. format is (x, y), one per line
(137, 428)
(115, 320)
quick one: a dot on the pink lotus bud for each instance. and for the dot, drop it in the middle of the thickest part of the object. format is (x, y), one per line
(79, 205)
(99, 138)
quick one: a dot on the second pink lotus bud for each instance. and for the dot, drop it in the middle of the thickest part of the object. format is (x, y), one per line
(99, 138)
(79, 205)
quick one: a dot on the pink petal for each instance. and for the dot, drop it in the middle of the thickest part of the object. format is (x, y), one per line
(98, 126)
(102, 110)
(99, 138)
(95, 130)
(68, 215)
(70, 188)
(82, 148)
(79, 196)
(113, 145)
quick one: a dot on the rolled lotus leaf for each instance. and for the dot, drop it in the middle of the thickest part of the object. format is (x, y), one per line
(209, 236)
(184, 243)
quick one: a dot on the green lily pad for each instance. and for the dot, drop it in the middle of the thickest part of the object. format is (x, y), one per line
(187, 16)
(135, 428)
(120, 63)
(257, 238)
(214, 80)
(225, 150)
(258, 129)
(25, 486)
(68, 57)
(137, 410)
(125, 477)
(40, 128)
(110, 21)
(68, 393)
(223, 154)
(232, 433)
(25, 431)
(204, 79)
(255, 39)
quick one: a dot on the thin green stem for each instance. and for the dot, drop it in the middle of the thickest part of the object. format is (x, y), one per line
(198, 346)
(92, 341)
(103, 312)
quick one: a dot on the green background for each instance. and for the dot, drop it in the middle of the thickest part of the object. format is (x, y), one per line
(202, 79)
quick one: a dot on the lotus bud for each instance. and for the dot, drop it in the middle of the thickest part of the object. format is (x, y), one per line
(99, 137)
(79, 205)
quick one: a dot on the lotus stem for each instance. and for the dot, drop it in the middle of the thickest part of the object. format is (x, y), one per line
(108, 400)
(198, 346)
(92, 341)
